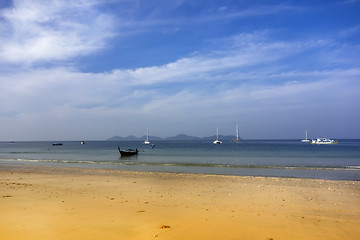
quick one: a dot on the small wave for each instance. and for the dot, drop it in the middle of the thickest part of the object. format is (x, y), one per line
(48, 161)
(178, 164)
(185, 164)
(353, 167)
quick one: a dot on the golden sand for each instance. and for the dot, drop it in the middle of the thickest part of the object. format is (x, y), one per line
(44, 203)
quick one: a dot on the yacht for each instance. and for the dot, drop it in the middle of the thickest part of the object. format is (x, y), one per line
(237, 135)
(147, 137)
(217, 141)
(323, 141)
(306, 140)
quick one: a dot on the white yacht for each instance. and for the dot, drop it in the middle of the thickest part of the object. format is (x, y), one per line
(306, 140)
(147, 137)
(217, 141)
(323, 141)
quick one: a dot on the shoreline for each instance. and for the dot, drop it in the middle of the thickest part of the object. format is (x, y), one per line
(40, 202)
(324, 173)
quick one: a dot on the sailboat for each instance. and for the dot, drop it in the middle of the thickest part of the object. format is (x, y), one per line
(217, 141)
(306, 140)
(147, 137)
(237, 135)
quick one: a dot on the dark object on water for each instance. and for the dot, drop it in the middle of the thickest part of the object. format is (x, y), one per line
(57, 144)
(129, 152)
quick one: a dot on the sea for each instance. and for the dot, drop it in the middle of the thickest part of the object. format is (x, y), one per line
(269, 158)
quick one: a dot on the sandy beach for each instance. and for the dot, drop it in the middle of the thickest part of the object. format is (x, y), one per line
(70, 203)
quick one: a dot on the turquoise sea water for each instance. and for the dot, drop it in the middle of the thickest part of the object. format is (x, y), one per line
(278, 158)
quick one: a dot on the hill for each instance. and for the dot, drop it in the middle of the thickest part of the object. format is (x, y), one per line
(179, 137)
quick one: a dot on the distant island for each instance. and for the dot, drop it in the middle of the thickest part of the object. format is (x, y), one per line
(180, 137)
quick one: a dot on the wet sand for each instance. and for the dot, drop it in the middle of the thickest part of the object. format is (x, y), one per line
(70, 203)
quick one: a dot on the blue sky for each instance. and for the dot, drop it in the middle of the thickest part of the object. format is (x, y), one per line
(92, 69)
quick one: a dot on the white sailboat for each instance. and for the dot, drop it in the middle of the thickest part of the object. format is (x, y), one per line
(237, 134)
(306, 140)
(217, 141)
(147, 137)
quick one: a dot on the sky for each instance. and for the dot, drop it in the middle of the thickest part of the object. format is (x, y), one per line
(93, 69)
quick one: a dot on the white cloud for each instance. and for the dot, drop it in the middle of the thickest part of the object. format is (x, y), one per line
(348, 2)
(166, 14)
(349, 32)
(52, 30)
(241, 51)
(241, 65)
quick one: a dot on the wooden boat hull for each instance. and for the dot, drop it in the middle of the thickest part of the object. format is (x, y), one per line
(127, 153)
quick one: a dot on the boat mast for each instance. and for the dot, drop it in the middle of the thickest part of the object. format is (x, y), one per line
(237, 132)
(147, 137)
